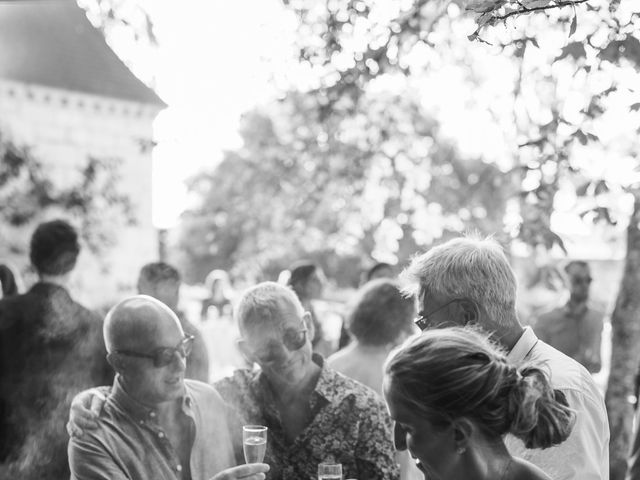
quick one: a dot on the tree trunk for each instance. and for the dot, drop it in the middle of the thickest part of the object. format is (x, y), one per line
(625, 354)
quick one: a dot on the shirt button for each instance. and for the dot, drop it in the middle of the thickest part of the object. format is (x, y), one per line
(152, 414)
(179, 468)
(141, 422)
(161, 435)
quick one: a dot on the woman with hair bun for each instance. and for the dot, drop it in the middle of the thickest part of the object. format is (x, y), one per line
(453, 396)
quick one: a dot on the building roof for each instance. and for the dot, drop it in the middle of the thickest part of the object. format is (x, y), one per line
(52, 43)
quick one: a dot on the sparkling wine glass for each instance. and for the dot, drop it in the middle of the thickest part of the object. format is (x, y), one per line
(330, 471)
(254, 443)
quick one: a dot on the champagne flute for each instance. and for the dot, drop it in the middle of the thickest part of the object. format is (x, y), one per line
(254, 443)
(330, 471)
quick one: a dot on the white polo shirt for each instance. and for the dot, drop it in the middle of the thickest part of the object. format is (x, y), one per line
(585, 454)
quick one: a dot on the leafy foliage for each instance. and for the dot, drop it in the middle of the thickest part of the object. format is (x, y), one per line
(381, 182)
(350, 44)
(129, 15)
(27, 193)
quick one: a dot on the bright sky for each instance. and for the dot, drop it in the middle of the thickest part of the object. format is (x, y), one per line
(215, 60)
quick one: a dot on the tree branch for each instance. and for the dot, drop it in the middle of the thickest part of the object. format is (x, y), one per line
(535, 9)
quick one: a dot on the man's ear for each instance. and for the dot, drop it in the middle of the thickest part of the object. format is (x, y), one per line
(462, 431)
(308, 323)
(117, 363)
(469, 311)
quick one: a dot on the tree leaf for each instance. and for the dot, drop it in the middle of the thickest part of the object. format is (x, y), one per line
(574, 25)
(580, 135)
(582, 190)
(635, 107)
(574, 50)
(601, 187)
(627, 48)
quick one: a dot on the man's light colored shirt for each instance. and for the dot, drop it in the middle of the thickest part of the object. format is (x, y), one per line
(585, 454)
(130, 444)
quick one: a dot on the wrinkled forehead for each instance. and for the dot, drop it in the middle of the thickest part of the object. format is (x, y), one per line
(270, 320)
(143, 326)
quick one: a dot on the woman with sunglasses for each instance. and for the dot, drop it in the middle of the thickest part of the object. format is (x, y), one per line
(453, 397)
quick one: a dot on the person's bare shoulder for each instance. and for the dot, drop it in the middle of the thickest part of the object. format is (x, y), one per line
(523, 470)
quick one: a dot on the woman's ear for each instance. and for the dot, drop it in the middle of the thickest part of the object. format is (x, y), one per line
(308, 323)
(462, 432)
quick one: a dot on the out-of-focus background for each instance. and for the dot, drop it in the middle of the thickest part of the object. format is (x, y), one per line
(243, 136)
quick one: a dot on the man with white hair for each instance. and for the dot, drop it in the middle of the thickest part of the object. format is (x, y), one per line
(313, 412)
(469, 281)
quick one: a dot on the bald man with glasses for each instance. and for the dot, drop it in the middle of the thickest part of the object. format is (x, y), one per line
(154, 424)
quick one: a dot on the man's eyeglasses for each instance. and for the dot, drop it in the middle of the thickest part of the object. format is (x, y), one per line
(423, 322)
(163, 356)
(292, 340)
(582, 280)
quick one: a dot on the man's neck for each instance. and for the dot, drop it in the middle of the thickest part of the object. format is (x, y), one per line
(510, 336)
(168, 412)
(574, 302)
(288, 392)
(60, 280)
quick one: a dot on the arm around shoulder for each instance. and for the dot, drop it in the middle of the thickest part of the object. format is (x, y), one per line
(90, 460)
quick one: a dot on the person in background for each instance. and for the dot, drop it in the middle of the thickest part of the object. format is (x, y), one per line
(575, 328)
(468, 280)
(380, 320)
(50, 348)
(8, 281)
(162, 281)
(155, 424)
(453, 396)
(220, 300)
(307, 280)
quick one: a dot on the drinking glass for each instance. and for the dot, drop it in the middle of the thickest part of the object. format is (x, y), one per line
(330, 471)
(254, 443)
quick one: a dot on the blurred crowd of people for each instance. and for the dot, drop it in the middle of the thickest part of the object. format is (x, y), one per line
(462, 391)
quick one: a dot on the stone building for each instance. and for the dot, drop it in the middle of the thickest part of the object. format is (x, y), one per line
(66, 95)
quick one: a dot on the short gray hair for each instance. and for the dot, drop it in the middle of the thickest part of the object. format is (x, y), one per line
(469, 267)
(265, 302)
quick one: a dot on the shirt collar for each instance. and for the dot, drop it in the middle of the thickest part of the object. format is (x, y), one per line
(523, 346)
(139, 410)
(326, 386)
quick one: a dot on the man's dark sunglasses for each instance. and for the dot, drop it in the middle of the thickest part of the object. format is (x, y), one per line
(423, 322)
(163, 356)
(292, 339)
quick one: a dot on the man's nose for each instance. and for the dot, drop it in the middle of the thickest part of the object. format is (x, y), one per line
(179, 361)
(399, 437)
